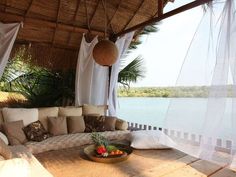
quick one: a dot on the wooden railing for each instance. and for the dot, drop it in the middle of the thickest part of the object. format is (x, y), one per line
(221, 144)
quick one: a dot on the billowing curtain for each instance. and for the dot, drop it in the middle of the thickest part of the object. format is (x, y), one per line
(205, 126)
(8, 33)
(91, 85)
(122, 45)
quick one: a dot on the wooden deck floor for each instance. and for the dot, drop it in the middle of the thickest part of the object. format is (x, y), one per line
(142, 163)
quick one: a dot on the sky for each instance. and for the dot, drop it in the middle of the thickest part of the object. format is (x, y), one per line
(164, 51)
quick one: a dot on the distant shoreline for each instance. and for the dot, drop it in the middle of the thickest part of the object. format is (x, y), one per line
(167, 92)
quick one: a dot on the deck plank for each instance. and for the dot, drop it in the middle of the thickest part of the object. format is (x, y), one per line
(224, 173)
(199, 168)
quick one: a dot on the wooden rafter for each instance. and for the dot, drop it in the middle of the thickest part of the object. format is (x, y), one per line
(28, 9)
(87, 16)
(135, 13)
(11, 18)
(94, 12)
(74, 20)
(57, 19)
(118, 7)
(164, 16)
(160, 7)
(107, 16)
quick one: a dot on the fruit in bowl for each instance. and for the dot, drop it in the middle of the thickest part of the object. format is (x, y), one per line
(103, 148)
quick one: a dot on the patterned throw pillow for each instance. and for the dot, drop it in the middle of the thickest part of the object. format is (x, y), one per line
(36, 132)
(94, 123)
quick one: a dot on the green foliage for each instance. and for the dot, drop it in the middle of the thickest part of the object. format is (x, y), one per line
(164, 92)
(98, 139)
(132, 72)
(40, 86)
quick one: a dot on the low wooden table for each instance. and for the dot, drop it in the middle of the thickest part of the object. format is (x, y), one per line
(72, 162)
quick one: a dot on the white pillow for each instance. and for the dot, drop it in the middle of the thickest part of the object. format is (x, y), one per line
(149, 139)
(14, 114)
(4, 138)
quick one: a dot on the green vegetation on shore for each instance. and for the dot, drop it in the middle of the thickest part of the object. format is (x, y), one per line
(163, 92)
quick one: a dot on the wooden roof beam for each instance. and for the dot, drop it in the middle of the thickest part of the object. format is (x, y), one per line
(29, 7)
(160, 7)
(94, 12)
(164, 16)
(57, 19)
(74, 20)
(107, 17)
(118, 7)
(135, 13)
(11, 18)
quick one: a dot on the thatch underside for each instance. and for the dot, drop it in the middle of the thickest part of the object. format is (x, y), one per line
(59, 24)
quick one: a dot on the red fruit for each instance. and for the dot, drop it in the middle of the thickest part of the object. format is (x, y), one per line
(101, 149)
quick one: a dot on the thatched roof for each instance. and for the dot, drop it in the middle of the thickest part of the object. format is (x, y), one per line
(54, 28)
(61, 22)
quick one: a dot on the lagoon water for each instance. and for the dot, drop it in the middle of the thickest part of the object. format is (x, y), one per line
(152, 111)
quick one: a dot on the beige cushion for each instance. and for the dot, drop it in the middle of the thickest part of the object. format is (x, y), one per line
(4, 138)
(4, 150)
(110, 123)
(70, 111)
(121, 124)
(14, 132)
(14, 114)
(44, 113)
(92, 109)
(75, 124)
(57, 125)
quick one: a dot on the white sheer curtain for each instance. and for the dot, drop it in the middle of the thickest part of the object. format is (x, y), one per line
(91, 84)
(122, 45)
(206, 127)
(8, 33)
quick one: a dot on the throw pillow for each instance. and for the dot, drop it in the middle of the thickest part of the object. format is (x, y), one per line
(121, 124)
(149, 139)
(57, 125)
(44, 113)
(4, 138)
(5, 150)
(94, 123)
(14, 132)
(14, 114)
(75, 124)
(92, 109)
(70, 111)
(110, 123)
(36, 132)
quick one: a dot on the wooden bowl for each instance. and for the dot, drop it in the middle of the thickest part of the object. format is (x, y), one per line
(90, 152)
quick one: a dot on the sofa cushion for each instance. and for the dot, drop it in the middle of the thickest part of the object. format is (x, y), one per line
(4, 138)
(14, 114)
(110, 123)
(72, 140)
(57, 125)
(36, 132)
(75, 124)
(121, 124)
(4, 150)
(94, 123)
(14, 132)
(44, 113)
(92, 109)
(70, 111)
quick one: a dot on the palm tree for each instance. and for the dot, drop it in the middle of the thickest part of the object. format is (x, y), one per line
(136, 69)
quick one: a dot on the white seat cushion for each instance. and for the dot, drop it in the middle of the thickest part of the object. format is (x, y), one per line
(14, 114)
(149, 139)
(72, 140)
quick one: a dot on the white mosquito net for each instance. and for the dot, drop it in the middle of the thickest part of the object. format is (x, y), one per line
(205, 126)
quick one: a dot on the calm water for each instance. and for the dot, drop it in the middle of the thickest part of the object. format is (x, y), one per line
(152, 111)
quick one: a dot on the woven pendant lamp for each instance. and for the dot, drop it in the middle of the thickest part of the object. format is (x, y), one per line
(105, 52)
